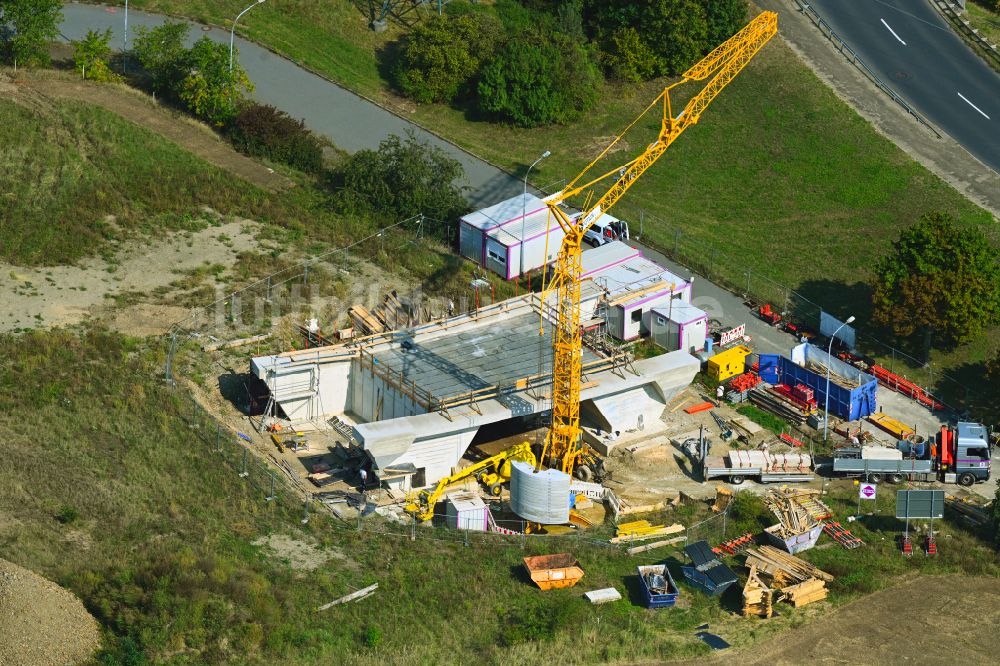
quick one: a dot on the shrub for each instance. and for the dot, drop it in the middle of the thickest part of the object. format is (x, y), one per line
(535, 82)
(91, 55)
(440, 57)
(67, 515)
(210, 89)
(404, 178)
(724, 18)
(260, 130)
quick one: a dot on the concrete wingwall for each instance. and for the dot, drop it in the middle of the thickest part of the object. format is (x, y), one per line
(372, 399)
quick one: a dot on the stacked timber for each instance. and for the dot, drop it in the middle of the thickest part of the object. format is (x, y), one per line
(793, 518)
(799, 582)
(642, 530)
(758, 598)
(770, 400)
(805, 592)
(364, 320)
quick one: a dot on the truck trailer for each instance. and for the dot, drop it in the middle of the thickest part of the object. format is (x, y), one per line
(764, 466)
(959, 454)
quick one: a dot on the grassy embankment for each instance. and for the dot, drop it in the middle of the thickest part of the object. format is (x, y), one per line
(780, 178)
(112, 493)
(80, 181)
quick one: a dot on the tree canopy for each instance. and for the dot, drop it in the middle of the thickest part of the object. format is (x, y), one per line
(534, 81)
(939, 278)
(27, 27)
(405, 177)
(441, 56)
(91, 55)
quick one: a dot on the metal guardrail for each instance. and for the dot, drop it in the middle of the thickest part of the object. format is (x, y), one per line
(951, 11)
(856, 60)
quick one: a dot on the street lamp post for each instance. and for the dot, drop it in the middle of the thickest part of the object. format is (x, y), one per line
(524, 204)
(232, 31)
(829, 354)
(125, 44)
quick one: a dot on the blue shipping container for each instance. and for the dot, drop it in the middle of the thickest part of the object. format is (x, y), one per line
(849, 404)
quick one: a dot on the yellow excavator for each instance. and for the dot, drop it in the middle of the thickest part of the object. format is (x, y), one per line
(492, 472)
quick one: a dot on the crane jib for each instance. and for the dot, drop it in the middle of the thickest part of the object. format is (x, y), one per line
(562, 445)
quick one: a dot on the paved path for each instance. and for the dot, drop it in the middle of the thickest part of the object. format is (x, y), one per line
(351, 122)
(911, 47)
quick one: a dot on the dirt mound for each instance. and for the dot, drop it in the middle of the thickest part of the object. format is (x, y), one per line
(42, 623)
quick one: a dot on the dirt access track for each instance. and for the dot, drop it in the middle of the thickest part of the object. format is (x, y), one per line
(927, 620)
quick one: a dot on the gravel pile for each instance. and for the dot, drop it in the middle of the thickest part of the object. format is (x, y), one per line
(42, 623)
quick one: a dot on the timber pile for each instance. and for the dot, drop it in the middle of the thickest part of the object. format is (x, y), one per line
(364, 320)
(804, 593)
(771, 401)
(792, 516)
(723, 496)
(758, 598)
(799, 582)
(785, 568)
(640, 530)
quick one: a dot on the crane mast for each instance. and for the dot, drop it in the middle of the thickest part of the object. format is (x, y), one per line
(562, 444)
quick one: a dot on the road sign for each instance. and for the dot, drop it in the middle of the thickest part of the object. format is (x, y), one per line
(867, 491)
(926, 504)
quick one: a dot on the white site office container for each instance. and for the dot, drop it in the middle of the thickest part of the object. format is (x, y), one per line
(678, 325)
(466, 511)
(492, 236)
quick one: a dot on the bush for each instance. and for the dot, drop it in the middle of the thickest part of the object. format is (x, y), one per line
(534, 82)
(404, 178)
(209, 88)
(91, 55)
(724, 18)
(440, 57)
(260, 130)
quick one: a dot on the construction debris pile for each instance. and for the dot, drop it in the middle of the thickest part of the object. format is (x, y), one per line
(777, 576)
(799, 512)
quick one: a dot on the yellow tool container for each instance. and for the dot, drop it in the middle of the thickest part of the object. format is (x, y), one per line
(729, 363)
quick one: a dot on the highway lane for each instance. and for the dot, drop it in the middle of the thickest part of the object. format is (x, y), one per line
(914, 50)
(350, 121)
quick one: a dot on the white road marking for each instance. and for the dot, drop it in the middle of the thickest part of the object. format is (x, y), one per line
(973, 106)
(893, 32)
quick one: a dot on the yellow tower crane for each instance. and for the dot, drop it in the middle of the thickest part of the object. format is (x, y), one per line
(562, 445)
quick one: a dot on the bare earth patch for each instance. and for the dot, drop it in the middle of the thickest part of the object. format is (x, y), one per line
(42, 623)
(64, 295)
(300, 554)
(938, 620)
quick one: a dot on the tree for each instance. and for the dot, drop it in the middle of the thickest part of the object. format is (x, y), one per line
(539, 82)
(724, 19)
(404, 178)
(941, 279)
(209, 88)
(675, 30)
(91, 55)
(161, 53)
(27, 27)
(629, 59)
(442, 55)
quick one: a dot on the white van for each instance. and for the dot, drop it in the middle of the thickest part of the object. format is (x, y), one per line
(606, 229)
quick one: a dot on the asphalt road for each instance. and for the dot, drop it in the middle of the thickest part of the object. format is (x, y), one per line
(911, 47)
(350, 121)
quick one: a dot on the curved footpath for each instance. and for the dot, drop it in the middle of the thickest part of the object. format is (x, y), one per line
(352, 122)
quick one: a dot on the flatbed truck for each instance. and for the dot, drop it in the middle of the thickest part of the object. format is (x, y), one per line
(737, 466)
(959, 454)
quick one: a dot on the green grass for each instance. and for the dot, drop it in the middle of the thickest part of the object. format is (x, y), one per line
(69, 167)
(773, 423)
(984, 18)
